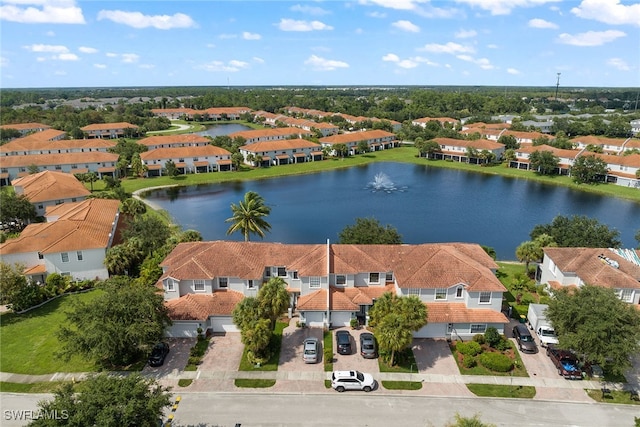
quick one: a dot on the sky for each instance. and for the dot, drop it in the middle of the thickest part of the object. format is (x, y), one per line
(72, 43)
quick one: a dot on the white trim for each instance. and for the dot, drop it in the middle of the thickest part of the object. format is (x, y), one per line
(480, 297)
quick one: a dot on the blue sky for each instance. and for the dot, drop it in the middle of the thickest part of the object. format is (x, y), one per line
(71, 43)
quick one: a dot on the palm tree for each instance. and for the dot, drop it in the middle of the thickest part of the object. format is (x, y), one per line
(273, 299)
(133, 207)
(248, 216)
(527, 252)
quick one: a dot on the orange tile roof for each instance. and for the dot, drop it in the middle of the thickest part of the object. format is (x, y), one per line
(315, 301)
(108, 126)
(201, 306)
(59, 159)
(174, 139)
(50, 185)
(182, 152)
(32, 143)
(559, 152)
(80, 226)
(480, 144)
(283, 144)
(265, 133)
(351, 298)
(344, 138)
(437, 119)
(25, 126)
(457, 312)
(598, 140)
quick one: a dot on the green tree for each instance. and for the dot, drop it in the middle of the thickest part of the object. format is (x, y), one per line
(509, 141)
(578, 231)
(527, 252)
(589, 170)
(363, 147)
(595, 323)
(150, 230)
(236, 160)
(637, 237)
(133, 207)
(170, 169)
(273, 299)
(116, 328)
(246, 313)
(106, 400)
(14, 207)
(90, 177)
(256, 339)
(12, 280)
(248, 216)
(474, 421)
(369, 231)
(544, 162)
(137, 167)
(341, 150)
(394, 319)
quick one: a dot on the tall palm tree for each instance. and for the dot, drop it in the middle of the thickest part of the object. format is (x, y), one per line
(248, 216)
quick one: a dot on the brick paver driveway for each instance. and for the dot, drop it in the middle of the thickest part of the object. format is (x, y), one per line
(353, 361)
(176, 359)
(224, 353)
(291, 350)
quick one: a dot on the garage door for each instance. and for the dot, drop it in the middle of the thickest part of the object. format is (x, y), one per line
(432, 330)
(313, 319)
(181, 329)
(340, 318)
(222, 324)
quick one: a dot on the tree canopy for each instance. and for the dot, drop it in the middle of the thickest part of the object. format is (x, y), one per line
(13, 206)
(578, 231)
(589, 170)
(595, 323)
(106, 400)
(117, 327)
(544, 162)
(248, 216)
(394, 319)
(369, 231)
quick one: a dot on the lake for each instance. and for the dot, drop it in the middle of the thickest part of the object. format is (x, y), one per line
(425, 204)
(223, 129)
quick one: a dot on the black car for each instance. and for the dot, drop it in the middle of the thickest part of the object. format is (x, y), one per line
(158, 354)
(343, 340)
(525, 340)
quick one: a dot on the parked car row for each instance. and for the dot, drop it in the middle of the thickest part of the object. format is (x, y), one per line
(368, 345)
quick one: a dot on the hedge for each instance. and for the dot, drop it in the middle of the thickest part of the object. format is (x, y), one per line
(496, 362)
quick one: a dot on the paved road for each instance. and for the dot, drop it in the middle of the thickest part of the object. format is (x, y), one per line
(363, 409)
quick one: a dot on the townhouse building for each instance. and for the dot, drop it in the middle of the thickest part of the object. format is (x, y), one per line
(635, 126)
(173, 141)
(376, 140)
(566, 157)
(198, 159)
(26, 128)
(330, 284)
(277, 134)
(35, 144)
(458, 150)
(444, 121)
(102, 163)
(110, 130)
(608, 145)
(281, 152)
(72, 242)
(49, 188)
(617, 269)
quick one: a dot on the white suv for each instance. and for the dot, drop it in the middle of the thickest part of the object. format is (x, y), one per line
(352, 380)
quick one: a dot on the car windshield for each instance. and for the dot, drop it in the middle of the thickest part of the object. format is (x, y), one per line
(360, 376)
(309, 350)
(367, 345)
(547, 333)
(527, 338)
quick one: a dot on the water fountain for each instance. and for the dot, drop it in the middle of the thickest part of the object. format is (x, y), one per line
(381, 182)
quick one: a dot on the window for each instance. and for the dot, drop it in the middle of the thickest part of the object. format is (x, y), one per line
(478, 329)
(294, 274)
(250, 284)
(459, 290)
(341, 279)
(388, 277)
(314, 282)
(79, 255)
(223, 282)
(441, 293)
(170, 285)
(40, 256)
(413, 291)
(626, 295)
(282, 272)
(485, 298)
(374, 277)
(65, 256)
(198, 285)
(267, 272)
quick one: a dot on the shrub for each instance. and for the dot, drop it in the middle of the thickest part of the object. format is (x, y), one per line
(492, 336)
(503, 345)
(496, 362)
(479, 338)
(468, 362)
(527, 299)
(469, 348)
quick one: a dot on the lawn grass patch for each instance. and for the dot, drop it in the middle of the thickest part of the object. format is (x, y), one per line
(275, 344)
(327, 351)
(404, 362)
(327, 383)
(494, 390)
(42, 387)
(29, 342)
(182, 382)
(614, 396)
(197, 352)
(254, 383)
(402, 385)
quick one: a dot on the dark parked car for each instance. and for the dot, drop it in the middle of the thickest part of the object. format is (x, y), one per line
(525, 340)
(368, 348)
(343, 340)
(158, 354)
(566, 363)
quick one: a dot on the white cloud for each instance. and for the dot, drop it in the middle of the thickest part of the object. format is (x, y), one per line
(492, 46)
(590, 38)
(111, 55)
(85, 49)
(321, 64)
(294, 25)
(130, 58)
(232, 66)
(101, 66)
(60, 73)
(50, 34)
(619, 63)
(309, 10)
(391, 57)
(449, 47)
(407, 63)
(395, 4)
(138, 20)
(210, 45)
(503, 7)
(46, 48)
(251, 36)
(609, 12)
(66, 57)
(42, 12)
(513, 71)
(541, 23)
(419, 7)
(406, 26)
(258, 60)
(465, 34)
(377, 14)
(483, 63)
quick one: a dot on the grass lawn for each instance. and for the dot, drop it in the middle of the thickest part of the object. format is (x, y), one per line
(28, 342)
(184, 382)
(253, 383)
(327, 350)
(492, 390)
(614, 397)
(402, 385)
(274, 349)
(517, 371)
(404, 362)
(45, 387)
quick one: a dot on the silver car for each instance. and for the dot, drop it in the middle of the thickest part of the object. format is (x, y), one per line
(310, 350)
